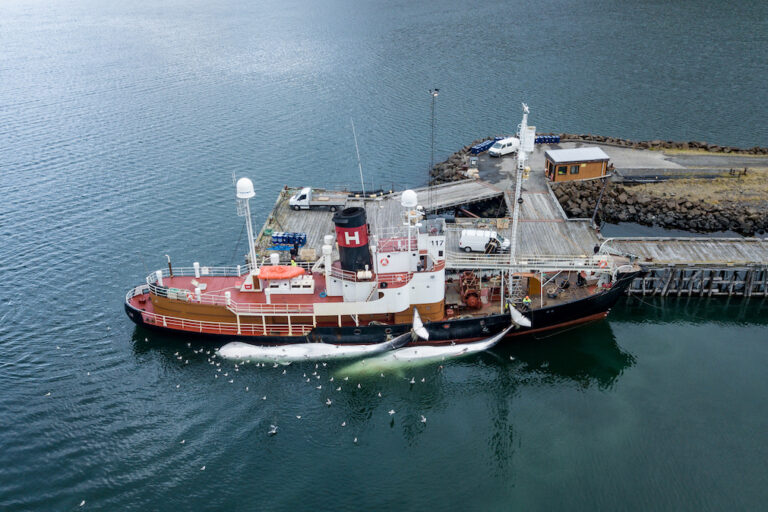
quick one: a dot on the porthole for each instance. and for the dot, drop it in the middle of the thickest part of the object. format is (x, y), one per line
(388, 330)
(357, 332)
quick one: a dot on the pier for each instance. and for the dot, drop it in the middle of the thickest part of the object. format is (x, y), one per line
(547, 239)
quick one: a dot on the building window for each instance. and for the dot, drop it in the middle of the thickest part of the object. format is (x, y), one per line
(574, 169)
(562, 169)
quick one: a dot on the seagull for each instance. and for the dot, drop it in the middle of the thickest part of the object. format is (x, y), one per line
(423, 419)
(379, 394)
(274, 365)
(82, 503)
(359, 386)
(391, 412)
(146, 339)
(226, 374)
(298, 417)
(331, 380)
(246, 388)
(177, 386)
(422, 379)
(189, 344)
(343, 423)
(382, 375)
(307, 379)
(319, 387)
(283, 372)
(346, 378)
(183, 441)
(413, 380)
(264, 397)
(324, 364)
(272, 430)
(355, 441)
(231, 381)
(175, 353)
(328, 402)
(337, 389)
(202, 468)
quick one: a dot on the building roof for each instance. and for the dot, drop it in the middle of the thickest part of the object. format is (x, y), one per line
(592, 154)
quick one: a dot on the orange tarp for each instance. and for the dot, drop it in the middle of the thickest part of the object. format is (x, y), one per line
(280, 272)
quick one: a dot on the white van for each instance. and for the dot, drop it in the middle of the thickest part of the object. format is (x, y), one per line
(505, 146)
(480, 239)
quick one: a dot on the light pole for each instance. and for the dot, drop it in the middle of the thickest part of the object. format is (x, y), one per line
(433, 93)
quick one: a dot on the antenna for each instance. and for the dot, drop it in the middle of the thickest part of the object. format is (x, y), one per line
(359, 164)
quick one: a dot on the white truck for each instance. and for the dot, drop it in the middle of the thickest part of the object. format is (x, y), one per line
(505, 146)
(483, 240)
(307, 199)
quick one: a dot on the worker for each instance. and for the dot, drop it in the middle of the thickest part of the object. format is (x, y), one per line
(581, 279)
(527, 302)
(293, 262)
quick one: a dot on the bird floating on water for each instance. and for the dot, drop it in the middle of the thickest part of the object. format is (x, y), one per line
(82, 503)
(183, 441)
(423, 419)
(391, 412)
(202, 468)
(343, 423)
(272, 430)
(328, 402)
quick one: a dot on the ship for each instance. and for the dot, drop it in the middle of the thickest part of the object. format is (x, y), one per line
(370, 282)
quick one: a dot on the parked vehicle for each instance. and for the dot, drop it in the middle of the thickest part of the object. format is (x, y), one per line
(482, 240)
(306, 199)
(505, 146)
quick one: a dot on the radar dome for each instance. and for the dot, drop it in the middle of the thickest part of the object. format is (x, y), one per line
(409, 199)
(245, 189)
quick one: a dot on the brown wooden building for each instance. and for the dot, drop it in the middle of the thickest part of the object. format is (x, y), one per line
(575, 164)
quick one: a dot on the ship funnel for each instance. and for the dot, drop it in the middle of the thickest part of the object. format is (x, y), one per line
(352, 237)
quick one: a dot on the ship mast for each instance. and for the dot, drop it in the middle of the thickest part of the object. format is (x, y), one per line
(244, 194)
(526, 146)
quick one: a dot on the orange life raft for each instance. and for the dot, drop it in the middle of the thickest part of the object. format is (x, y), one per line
(280, 272)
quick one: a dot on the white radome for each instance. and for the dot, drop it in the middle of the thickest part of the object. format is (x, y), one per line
(245, 188)
(409, 199)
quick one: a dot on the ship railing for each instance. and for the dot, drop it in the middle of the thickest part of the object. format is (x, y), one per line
(228, 328)
(459, 260)
(138, 290)
(236, 307)
(389, 278)
(237, 271)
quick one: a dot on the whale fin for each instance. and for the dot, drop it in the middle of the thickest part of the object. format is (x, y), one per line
(418, 326)
(518, 317)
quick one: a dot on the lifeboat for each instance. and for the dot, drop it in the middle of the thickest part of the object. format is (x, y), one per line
(280, 272)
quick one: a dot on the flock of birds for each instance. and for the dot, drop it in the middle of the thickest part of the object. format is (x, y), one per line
(228, 374)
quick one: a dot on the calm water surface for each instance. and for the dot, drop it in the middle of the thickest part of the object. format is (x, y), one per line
(121, 125)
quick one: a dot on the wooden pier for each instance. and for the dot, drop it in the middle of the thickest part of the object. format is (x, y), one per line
(676, 266)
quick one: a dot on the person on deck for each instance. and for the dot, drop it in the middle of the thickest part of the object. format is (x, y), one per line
(527, 303)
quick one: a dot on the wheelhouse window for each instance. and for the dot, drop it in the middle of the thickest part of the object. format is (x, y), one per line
(575, 169)
(562, 169)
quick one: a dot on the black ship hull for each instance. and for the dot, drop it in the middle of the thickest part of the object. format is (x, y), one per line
(546, 319)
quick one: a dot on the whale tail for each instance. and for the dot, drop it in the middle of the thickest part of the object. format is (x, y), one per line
(418, 326)
(518, 318)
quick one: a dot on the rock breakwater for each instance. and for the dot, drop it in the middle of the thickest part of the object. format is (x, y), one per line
(622, 203)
